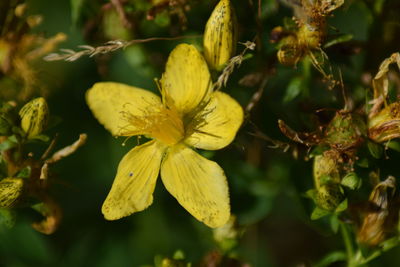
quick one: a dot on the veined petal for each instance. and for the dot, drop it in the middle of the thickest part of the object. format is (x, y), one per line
(216, 125)
(135, 181)
(113, 104)
(198, 184)
(186, 81)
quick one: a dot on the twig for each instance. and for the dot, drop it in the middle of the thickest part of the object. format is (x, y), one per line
(233, 62)
(111, 46)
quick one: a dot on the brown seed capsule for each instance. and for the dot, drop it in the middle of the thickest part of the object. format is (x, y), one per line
(34, 117)
(11, 191)
(376, 224)
(220, 35)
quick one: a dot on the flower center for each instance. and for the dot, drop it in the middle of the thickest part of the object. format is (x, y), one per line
(164, 125)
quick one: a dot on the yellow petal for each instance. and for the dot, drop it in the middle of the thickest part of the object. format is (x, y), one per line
(216, 125)
(186, 81)
(220, 35)
(113, 104)
(134, 184)
(198, 184)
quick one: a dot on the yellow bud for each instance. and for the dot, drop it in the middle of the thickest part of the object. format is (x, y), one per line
(11, 190)
(34, 116)
(220, 35)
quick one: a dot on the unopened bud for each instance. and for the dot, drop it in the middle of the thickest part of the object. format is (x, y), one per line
(34, 116)
(385, 125)
(220, 35)
(11, 191)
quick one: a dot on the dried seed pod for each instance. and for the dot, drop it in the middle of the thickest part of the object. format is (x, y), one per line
(34, 116)
(220, 35)
(385, 125)
(376, 224)
(346, 130)
(11, 191)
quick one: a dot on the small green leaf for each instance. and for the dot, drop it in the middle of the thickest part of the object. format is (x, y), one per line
(293, 90)
(311, 194)
(352, 181)
(375, 149)
(41, 137)
(24, 173)
(338, 40)
(331, 258)
(334, 223)
(342, 206)
(318, 213)
(363, 163)
(395, 145)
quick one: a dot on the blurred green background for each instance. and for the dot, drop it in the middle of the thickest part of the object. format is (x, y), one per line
(266, 184)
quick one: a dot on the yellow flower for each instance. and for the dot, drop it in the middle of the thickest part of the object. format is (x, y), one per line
(189, 114)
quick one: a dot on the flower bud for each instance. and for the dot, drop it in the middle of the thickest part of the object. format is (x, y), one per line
(34, 117)
(11, 190)
(220, 35)
(385, 125)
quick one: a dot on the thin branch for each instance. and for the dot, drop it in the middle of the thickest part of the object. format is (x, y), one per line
(111, 46)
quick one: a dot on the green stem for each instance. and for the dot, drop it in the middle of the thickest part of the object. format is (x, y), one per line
(348, 245)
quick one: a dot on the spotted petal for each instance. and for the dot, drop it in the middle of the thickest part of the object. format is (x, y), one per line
(186, 81)
(135, 181)
(216, 125)
(198, 184)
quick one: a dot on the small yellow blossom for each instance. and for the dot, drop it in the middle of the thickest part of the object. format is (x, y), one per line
(189, 114)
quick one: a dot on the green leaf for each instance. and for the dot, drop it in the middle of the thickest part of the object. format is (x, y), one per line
(375, 149)
(342, 206)
(395, 145)
(330, 258)
(293, 90)
(24, 173)
(319, 213)
(338, 40)
(352, 181)
(334, 223)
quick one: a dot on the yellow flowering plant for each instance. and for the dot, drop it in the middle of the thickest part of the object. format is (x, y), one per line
(188, 115)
